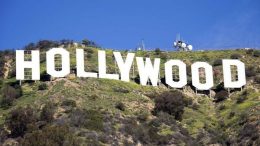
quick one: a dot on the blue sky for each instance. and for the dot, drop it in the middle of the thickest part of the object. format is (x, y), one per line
(122, 24)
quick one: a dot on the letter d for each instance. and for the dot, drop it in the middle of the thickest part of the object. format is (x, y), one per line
(228, 83)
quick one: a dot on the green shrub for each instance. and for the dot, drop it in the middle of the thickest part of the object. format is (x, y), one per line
(19, 120)
(12, 91)
(217, 62)
(249, 51)
(89, 43)
(47, 112)
(6, 102)
(89, 119)
(235, 56)
(256, 53)
(249, 134)
(157, 51)
(43, 86)
(50, 136)
(46, 44)
(171, 102)
(221, 95)
(9, 94)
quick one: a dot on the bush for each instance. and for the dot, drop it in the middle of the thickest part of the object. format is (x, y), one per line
(221, 95)
(120, 106)
(42, 86)
(89, 119)
(46, 44)
(47, 112)
(171, 102)
(89, 43)
(157, 51)
(66, 42)
(19, 120)
(9, 94)
(235, 56)
(6, 102)
(51, 136)
(45, 77)
(249, 134)
(217, 62)
(249, 51)
(256, 53)
(10, 91)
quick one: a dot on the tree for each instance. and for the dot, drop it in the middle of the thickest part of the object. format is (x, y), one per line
(66, 42)
(89, 43)
(157, 51)
(171, 102)
(46, 44)
(30, 46)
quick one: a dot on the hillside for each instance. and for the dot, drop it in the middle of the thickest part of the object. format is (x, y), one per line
(90, 111)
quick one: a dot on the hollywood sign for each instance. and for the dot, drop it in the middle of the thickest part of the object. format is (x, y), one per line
(146, 69)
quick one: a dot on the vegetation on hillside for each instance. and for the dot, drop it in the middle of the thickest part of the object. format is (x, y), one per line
(90, 111)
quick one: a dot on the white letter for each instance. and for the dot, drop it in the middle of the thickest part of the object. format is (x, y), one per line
(196, 77)
(21, 64)
(65, 58)
(182, 73)
(80, 65)
(124, 67)
(227, 73)
(102, 67)
(147, 70)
